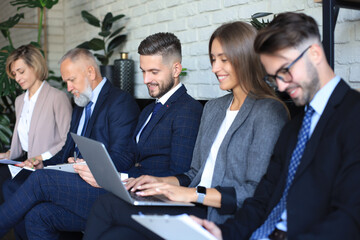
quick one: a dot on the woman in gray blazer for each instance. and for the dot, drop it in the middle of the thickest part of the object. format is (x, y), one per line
(43, 113)
(235, 141)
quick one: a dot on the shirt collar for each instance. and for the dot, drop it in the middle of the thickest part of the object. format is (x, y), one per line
(167, 95)
(96, 91)
(35, 96)
(322, 96)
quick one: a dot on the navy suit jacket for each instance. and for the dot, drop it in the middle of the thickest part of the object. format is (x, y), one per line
(112, 122)
(324, 199)
(166, 144)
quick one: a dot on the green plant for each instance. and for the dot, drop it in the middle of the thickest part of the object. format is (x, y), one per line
(8, 88)
(109, 40)
(5, 132)
(256, 23)
(41, 4)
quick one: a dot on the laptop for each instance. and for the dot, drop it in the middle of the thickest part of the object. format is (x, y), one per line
(106, 175)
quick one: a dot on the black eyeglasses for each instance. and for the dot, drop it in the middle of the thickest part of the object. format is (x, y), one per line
(283, 74)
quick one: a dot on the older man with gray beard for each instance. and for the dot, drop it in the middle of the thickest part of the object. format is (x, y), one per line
(53, 201)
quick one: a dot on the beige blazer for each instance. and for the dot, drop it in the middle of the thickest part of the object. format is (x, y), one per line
(49, 124)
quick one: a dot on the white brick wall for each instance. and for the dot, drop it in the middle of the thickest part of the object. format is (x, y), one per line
(192, 21)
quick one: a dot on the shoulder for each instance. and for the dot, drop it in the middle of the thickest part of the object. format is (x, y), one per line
(19, 99)
(224, 100)
(269, 111)
(186, 102)
(57, 93)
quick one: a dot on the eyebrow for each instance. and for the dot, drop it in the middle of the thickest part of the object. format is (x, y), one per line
(219, 55)
(149, 70)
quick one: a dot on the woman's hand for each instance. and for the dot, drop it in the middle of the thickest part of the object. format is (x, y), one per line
(135, 183)
(209, 226)
(5, 155)
(173, 193)
(34, 163)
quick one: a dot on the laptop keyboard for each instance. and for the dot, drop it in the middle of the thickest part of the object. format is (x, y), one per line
(145, 198)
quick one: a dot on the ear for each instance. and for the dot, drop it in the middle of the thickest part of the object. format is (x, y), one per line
(316, 54)
(91, 73)
(176, 69)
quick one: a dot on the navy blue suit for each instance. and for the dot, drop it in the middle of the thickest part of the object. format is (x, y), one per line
(166, 145)
(53, 201)
(112, 123)
(323, 201)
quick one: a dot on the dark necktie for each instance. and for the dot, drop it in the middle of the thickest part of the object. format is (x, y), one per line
(273, 218)
(86, 122)
(156, 108)
(87, 117)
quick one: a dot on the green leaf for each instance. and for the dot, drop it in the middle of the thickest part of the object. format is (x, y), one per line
(116, 42)
(26, 3)
(49, 3)
(11, 22)
(5, 33)
(104, 33)
(117, 17)
(89, 18)
(84, 45)
(107, 24)
(96, 44)
(260, 14)
(116, 32)
(103, 59)
(34, 3)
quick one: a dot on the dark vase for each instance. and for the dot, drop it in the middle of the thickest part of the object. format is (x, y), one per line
(108, 72)
(124, 71)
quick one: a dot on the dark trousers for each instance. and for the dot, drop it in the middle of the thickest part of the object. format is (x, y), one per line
(110, 218)
(51, 201)
(9, 188)
(4, 175)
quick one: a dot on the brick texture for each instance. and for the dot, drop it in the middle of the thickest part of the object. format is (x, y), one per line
(192, 21)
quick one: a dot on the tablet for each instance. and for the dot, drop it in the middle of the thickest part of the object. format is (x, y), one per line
(177, 227)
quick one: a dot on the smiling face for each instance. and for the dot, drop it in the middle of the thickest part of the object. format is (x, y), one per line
(158, 76)
(304, 82)
(24, 75)
(222, 68)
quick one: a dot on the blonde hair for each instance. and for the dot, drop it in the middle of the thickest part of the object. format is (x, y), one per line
(32, 57)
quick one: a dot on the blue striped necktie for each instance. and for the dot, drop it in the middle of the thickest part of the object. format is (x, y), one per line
(269, 225)
(86, 122)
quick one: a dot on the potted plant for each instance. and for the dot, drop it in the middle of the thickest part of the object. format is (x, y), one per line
(9, 89)
(107, 41)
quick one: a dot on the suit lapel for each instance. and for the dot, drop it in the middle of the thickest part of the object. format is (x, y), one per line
(161, 112)
(98, 106)
(221, 159)
(37, 110)
(310, 150)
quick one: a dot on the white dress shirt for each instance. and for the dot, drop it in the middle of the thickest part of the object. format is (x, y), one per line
(162, 100)
(207, 175)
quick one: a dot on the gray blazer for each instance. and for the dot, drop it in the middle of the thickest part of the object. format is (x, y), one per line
(245, 152)
(49, 124)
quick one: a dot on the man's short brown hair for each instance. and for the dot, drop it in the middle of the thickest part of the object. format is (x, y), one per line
(287, 30)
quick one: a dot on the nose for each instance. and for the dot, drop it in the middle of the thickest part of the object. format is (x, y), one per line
(69, 86)
(17, 78)
(215, 66)
(147, 78)
(281, 85)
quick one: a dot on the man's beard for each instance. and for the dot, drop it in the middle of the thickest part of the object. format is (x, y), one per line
(84, 98)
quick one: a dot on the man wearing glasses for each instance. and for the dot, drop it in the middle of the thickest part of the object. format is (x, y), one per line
(311, 188)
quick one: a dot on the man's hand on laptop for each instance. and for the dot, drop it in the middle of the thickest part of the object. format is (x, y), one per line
(134, 184)
(84, 172)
